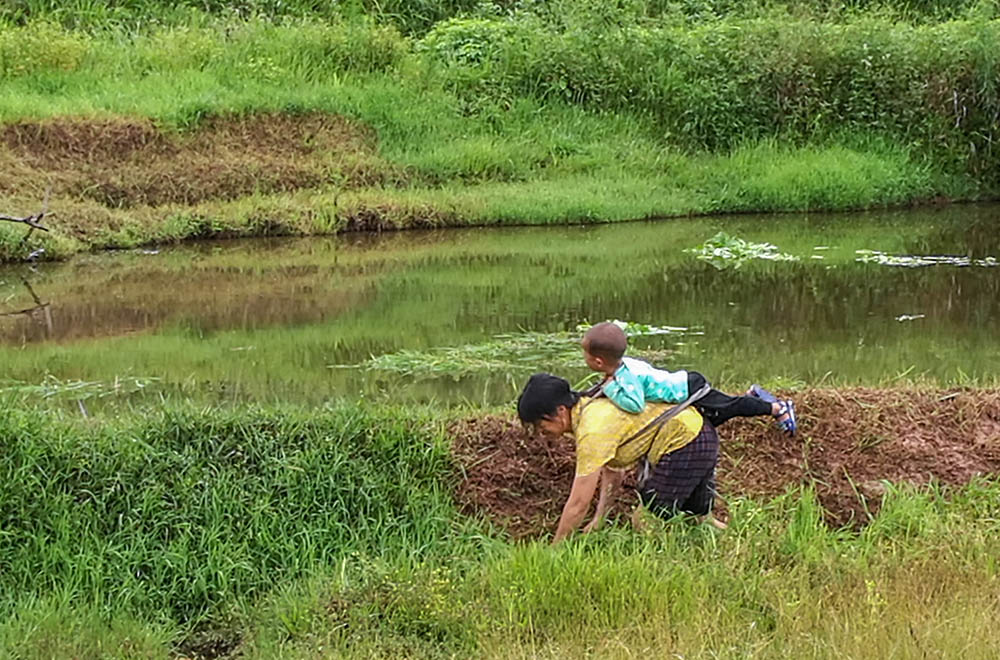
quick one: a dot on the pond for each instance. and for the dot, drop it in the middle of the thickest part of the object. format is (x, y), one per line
(464, 316)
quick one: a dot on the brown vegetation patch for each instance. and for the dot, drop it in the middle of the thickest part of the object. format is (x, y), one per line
(390, 217)
(850, 441)
(209, 645)
(518, 482)
(123, 163)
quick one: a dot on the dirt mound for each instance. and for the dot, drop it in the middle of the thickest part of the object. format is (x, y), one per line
(122, 162)
(849, 441)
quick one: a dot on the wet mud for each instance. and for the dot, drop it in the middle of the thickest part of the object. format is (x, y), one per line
(850, 442)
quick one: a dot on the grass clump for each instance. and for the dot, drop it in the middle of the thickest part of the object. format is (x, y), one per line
(723, 250)
(515, 353)
(189, 512)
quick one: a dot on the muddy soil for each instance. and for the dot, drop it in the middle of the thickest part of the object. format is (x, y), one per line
(850, 442)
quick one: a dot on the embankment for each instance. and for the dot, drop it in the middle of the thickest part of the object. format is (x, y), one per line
(210, 126)
(254, 533)
(852, 445)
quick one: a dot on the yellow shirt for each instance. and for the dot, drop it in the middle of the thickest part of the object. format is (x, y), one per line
(601, 429)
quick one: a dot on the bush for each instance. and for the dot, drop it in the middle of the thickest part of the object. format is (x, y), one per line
(40, 48)
(933, 88)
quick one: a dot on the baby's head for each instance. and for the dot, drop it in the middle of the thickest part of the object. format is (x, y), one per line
(603, 347)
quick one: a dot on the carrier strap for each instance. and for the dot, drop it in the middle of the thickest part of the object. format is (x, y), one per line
(662, 418)
(645, 468)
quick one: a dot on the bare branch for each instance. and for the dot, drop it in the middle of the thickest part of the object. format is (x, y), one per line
(32, 221)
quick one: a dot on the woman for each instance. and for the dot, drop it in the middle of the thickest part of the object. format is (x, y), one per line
(678, 449)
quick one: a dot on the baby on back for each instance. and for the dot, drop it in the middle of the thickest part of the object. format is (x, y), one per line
(630, 383)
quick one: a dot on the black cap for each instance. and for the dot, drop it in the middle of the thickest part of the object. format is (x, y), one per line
(542, 395)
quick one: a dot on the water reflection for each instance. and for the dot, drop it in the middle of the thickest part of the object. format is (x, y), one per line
(265, 318)
(39, 314)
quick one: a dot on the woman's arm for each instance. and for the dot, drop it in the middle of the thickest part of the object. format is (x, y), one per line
(610, 482)
(575, 509)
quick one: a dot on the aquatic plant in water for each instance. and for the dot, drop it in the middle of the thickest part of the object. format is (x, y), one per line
(917, 261)
(723, 251)
(512, 352)
(52, 387)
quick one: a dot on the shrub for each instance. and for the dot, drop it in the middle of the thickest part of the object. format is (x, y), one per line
(39, 48)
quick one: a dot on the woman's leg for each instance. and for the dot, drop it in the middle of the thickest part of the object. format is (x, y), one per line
(684, 479)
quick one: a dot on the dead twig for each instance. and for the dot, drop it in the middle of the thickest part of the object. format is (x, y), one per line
(33, 221)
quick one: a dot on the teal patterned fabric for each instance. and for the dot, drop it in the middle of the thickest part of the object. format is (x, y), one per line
(635, 382)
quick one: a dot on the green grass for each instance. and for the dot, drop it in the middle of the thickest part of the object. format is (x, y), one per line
(188, 512)
(776, 584)
(474, 131)
(331, 535)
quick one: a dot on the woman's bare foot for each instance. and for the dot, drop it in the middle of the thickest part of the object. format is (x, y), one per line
(713, 521)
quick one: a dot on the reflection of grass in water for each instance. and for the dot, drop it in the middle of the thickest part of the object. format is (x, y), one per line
(507, 352)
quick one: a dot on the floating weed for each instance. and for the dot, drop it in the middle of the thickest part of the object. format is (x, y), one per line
(723, 250)
(635, 329)
(54, 388)
(523, 351)
(918, 261)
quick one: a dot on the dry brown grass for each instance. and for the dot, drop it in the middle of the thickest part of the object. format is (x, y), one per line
(123, 163)
(119, 181)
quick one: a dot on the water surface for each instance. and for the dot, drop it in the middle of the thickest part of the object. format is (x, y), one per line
(265, 319)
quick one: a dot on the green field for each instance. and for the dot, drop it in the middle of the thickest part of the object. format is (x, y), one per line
(189, 522)
(331, 533)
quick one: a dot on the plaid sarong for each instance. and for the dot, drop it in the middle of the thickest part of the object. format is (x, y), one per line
(684, 479)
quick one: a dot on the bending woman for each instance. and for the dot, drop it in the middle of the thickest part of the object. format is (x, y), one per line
(681, 452)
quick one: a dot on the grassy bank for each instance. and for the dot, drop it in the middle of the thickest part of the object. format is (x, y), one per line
(254, 124)
(280, 534)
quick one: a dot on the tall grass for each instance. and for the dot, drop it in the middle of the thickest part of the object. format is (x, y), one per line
(417, 16)
(188, 512)
(332, 534)
(715, 84)
(778, 583)
(527, 116)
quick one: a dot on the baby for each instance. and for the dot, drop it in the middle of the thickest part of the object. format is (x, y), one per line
(629, 383)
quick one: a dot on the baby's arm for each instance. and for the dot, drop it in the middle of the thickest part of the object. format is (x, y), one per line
(625, 391)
